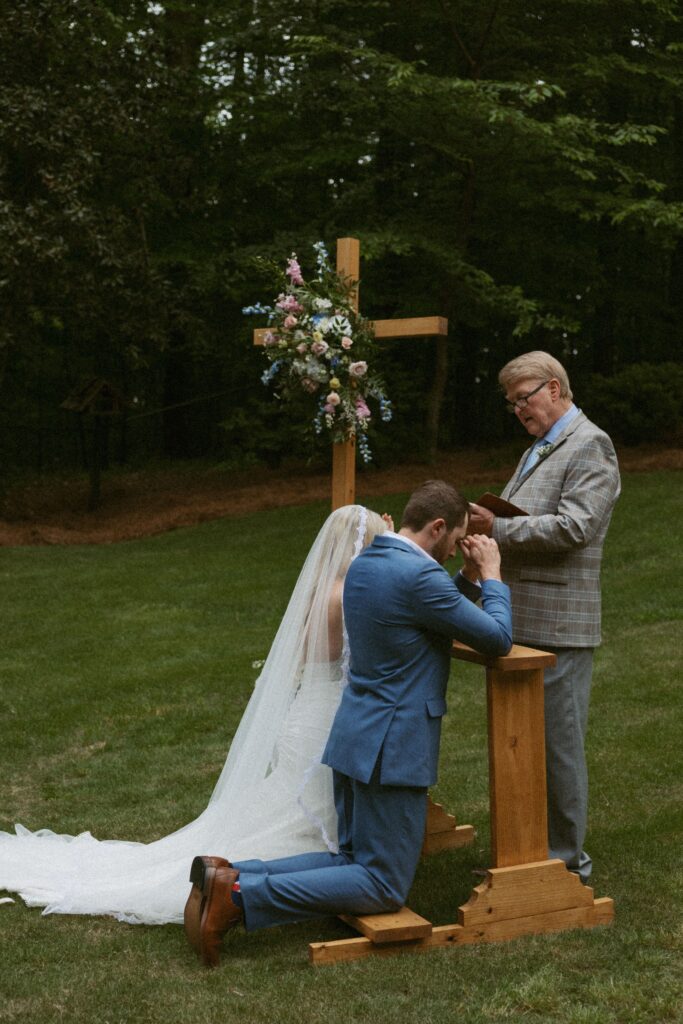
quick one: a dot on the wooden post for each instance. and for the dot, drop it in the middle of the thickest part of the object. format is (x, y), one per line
(344, 452)
(517, 786)
(348, 264)
(524, 893)
(343, 473)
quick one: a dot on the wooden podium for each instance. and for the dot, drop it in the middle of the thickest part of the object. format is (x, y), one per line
(523, 893)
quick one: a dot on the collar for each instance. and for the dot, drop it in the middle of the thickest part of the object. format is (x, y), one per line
(390, 534)
(552, 435)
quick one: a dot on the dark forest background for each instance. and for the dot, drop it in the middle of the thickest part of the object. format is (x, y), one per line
(515, 167)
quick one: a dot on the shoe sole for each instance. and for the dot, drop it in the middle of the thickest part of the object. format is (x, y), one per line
(194, 907)
(210, 955)
(202, 877)
(192, 917)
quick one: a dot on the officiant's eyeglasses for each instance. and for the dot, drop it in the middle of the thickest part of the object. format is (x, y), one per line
(523, 400)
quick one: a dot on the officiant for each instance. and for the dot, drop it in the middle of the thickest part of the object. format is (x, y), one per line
(567, 482)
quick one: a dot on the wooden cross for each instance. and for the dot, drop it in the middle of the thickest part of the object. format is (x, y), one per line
(344, 452)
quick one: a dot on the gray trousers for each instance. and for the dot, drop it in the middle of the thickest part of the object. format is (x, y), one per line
(567, 696)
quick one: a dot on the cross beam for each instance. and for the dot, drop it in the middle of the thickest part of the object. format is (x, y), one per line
(409, 327)
(344, 452)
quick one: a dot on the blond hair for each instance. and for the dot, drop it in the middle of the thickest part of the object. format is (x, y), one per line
(535, 366)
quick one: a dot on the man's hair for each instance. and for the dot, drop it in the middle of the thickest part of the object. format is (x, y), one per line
(535, 366)
(434, 499)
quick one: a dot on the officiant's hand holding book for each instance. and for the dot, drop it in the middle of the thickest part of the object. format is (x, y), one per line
(486, 508)
(499, 506)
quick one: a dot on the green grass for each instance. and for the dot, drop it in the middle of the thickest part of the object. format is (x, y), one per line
(125, 670)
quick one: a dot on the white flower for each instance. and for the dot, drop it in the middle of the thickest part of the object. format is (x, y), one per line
(322, 304)
(316, 370)
(340, 325)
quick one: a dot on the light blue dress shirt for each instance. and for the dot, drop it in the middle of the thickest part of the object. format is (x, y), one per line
(550, 437)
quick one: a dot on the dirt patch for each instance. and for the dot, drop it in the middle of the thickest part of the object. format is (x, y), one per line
(139, 504)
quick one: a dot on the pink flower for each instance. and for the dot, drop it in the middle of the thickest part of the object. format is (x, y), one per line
(290, 321)
(294, 270)
(289, 304)
(346, 342)
(319, 347)
(362, 410)
(358, 369)
(333, 398)
(269, 338)
(302, 348)
(309, 385)
(329, 409)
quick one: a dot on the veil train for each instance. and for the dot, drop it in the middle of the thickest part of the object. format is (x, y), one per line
(273, 797)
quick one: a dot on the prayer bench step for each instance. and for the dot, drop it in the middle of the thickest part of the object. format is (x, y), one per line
(399, 926)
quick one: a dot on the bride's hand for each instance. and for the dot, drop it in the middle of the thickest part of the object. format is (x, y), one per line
(388, 520)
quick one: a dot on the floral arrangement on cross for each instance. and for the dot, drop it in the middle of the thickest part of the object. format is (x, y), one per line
(319, 345)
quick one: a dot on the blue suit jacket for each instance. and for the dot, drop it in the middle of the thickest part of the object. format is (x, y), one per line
(402, 611)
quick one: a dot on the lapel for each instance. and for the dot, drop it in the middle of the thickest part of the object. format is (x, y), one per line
(521, 477)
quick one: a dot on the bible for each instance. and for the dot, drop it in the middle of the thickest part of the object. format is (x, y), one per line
(499, 506)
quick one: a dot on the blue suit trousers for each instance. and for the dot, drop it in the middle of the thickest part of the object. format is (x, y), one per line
(381, 830)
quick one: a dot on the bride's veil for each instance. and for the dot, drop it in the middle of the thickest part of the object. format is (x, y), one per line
(273, 797)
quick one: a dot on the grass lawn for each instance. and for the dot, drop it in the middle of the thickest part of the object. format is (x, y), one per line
(124, 672)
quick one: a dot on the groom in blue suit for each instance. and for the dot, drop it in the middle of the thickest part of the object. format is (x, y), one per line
(402, 611)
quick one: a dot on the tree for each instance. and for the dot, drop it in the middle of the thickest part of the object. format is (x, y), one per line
(515, 168)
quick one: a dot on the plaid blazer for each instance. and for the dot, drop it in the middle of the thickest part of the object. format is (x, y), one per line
(551, 558)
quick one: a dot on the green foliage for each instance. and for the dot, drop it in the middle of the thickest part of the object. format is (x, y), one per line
(518, 174)
(641, 403)
(125, 673)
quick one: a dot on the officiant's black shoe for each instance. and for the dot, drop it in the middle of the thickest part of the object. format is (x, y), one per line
(210, 911)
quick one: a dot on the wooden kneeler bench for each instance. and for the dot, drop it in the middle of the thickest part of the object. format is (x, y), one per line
(524, 893)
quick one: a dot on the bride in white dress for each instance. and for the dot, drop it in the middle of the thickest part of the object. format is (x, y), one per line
(273, 797)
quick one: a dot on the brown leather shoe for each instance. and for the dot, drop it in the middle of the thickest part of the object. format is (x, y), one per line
(209, 911)
(193, 907)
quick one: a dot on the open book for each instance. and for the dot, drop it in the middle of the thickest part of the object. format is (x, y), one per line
(499, 506)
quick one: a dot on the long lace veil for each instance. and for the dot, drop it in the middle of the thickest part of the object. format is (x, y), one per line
(273, 797)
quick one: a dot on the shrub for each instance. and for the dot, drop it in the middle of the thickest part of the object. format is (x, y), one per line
(643, 402)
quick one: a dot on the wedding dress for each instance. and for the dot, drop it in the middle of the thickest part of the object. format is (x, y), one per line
(273, 797)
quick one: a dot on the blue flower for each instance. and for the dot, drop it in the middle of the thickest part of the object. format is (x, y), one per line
(322, 257)
(256, 310)
(364, 448)
(271, 372)
(385, 410)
